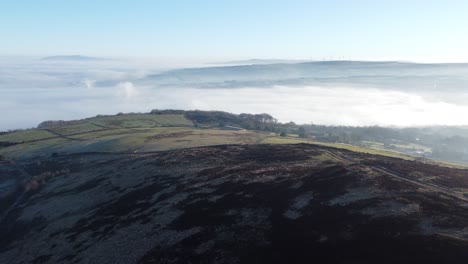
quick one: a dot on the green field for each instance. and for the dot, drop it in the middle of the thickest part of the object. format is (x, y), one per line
(35, 148)
(284, 140)
(128, 140)
(26, 135)
(103, 123)
(408, 146)
(367, 150)
(142, 120)
(293, 140)
(103, 133)
(77, 128)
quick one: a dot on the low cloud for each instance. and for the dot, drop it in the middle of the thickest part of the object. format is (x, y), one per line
(89, 84)
(35, 91)
(319, 105)
(126, 90)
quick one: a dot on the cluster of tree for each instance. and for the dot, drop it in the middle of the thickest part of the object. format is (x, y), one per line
(167, 112)
(263, 122)
(55, 123)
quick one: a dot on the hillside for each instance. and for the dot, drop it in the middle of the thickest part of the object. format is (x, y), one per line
(176, 186)
(125, 133)
(175, 129)
(234, 203)
(161, 130)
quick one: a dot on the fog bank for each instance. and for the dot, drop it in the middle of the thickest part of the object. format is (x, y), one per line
(34, 91)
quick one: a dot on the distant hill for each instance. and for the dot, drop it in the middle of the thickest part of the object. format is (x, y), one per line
(72, 58)
(259, 61)
(377, 74)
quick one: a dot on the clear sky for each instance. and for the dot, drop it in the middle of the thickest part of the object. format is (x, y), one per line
(421, 30)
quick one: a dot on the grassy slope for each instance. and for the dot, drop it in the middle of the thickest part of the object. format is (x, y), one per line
(292, 140)
(77, 128)
(108, 133)
(145, 133)
(26, 135)
(143, 120)
(101, 123)
(373, 151)
(131, 140)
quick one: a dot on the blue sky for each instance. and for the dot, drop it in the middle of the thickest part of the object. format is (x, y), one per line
(397, 29)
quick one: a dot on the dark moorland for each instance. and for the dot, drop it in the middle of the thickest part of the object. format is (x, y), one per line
(257, 203)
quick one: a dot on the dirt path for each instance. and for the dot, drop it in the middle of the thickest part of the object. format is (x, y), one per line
(432, 187)
(344, 159)
(350, 161)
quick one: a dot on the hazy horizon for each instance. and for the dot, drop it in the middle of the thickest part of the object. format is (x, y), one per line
(38, 90)
(134, 53)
